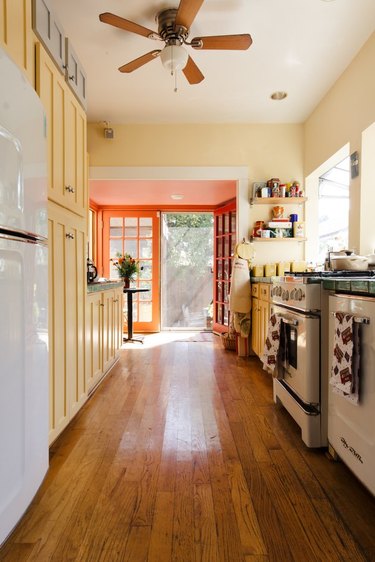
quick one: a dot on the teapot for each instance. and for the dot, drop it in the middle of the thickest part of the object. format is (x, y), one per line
(92, 272)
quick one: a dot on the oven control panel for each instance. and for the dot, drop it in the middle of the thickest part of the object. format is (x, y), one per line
(297, 294)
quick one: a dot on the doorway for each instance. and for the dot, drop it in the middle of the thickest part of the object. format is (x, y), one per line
(187, 270)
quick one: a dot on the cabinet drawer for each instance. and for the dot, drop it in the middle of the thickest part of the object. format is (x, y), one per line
(255, 290)
(264, 290)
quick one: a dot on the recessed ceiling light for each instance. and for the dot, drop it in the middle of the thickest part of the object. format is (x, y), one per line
(176, 196)
(278, 95)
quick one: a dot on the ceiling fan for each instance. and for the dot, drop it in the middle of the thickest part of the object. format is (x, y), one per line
(173, 28)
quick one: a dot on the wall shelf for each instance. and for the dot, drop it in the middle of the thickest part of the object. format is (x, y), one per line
(277, 200)
(291, 239)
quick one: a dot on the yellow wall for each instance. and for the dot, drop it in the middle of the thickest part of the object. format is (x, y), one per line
(340, 118)
(267, 150)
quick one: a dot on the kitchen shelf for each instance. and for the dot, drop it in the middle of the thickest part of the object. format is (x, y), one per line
(291, 239)
(277, 200)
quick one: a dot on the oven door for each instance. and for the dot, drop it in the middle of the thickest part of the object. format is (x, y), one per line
(300, 349)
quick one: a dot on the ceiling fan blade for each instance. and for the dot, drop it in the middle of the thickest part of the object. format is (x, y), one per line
(186, 12)
(225, 42)
(140, 61)
(127, 25)
(192, 73)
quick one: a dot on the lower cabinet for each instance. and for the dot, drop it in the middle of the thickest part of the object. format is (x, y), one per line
(67, 300)
(103, 332)
(260, 315)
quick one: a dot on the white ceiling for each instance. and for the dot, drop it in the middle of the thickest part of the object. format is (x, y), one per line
(300, 46)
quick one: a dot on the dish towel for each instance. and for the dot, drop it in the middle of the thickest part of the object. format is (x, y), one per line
(272, 346)
(346, 357)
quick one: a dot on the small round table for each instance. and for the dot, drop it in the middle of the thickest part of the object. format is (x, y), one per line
(130, 292)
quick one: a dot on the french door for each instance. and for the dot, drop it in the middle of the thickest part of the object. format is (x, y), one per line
(224, 245)
(136, 233)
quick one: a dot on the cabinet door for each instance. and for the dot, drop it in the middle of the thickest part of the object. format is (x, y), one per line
(67, 273)
(94, 358)
(75, 189)
(255, 326)
(75, 279)
(108, 351)
(264, 309)
(117, 320)
(15, 33)
(58, 383)
(66, 137)
(51, 88)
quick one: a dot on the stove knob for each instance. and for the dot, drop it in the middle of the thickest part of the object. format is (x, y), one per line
(285, 295)
(299, 294)
(274, 291)
(279, 291)
(293, 294)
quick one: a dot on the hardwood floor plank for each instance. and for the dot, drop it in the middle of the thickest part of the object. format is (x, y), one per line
(247, 521)
(205, 538)
(160, 549)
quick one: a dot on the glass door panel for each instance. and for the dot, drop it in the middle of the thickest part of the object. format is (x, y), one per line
(225, 242)
(135, 233)
(186, 270)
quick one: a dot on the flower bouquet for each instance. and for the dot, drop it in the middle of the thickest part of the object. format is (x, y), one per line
(127, 267)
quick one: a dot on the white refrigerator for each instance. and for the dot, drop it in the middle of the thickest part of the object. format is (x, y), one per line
(23, 295)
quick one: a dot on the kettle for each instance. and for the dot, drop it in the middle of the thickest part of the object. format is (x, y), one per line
(92, 272)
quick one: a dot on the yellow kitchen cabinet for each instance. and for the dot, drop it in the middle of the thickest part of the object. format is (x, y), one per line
(66, 136)
(103, 332)
(67, 299)
(260, 316)
(16, 34)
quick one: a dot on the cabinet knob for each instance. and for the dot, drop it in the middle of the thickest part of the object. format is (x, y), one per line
(69, 188)
(101, 304)
(69, 235)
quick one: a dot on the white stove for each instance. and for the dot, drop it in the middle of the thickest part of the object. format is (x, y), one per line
(297, 302)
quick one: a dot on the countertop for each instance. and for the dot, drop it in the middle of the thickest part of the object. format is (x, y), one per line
(337, 284)
(103, 286)
(354, 286)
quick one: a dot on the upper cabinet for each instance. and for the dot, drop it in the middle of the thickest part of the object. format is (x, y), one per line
(52, 35)
(66, 136)
(16, 35)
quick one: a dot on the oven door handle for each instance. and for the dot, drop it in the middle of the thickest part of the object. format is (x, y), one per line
(289, 321)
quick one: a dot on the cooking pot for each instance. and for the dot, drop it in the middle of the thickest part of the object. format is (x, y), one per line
(92, 272)
(352, 262)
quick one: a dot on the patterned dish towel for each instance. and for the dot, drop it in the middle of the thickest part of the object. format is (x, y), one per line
(272, 345)
(346, 357)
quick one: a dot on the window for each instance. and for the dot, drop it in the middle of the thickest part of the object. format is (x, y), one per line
(334, 209)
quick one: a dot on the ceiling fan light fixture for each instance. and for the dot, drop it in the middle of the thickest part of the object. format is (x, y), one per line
(174, 57)
(177, 196)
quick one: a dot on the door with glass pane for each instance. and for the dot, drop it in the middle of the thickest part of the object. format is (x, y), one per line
(225, 243)
(186, 270)
(135, 233)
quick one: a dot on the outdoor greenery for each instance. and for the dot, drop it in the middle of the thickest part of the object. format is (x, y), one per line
(190, 241)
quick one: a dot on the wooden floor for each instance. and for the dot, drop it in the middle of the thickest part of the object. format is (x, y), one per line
(181, 455)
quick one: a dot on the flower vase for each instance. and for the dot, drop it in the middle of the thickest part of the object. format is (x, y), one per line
(126, 282)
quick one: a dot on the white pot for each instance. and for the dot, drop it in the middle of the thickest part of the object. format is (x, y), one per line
(357, 263)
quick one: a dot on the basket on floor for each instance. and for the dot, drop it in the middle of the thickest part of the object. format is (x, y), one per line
(229, 341)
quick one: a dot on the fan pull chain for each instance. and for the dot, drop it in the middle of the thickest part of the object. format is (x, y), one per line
(175, 81)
